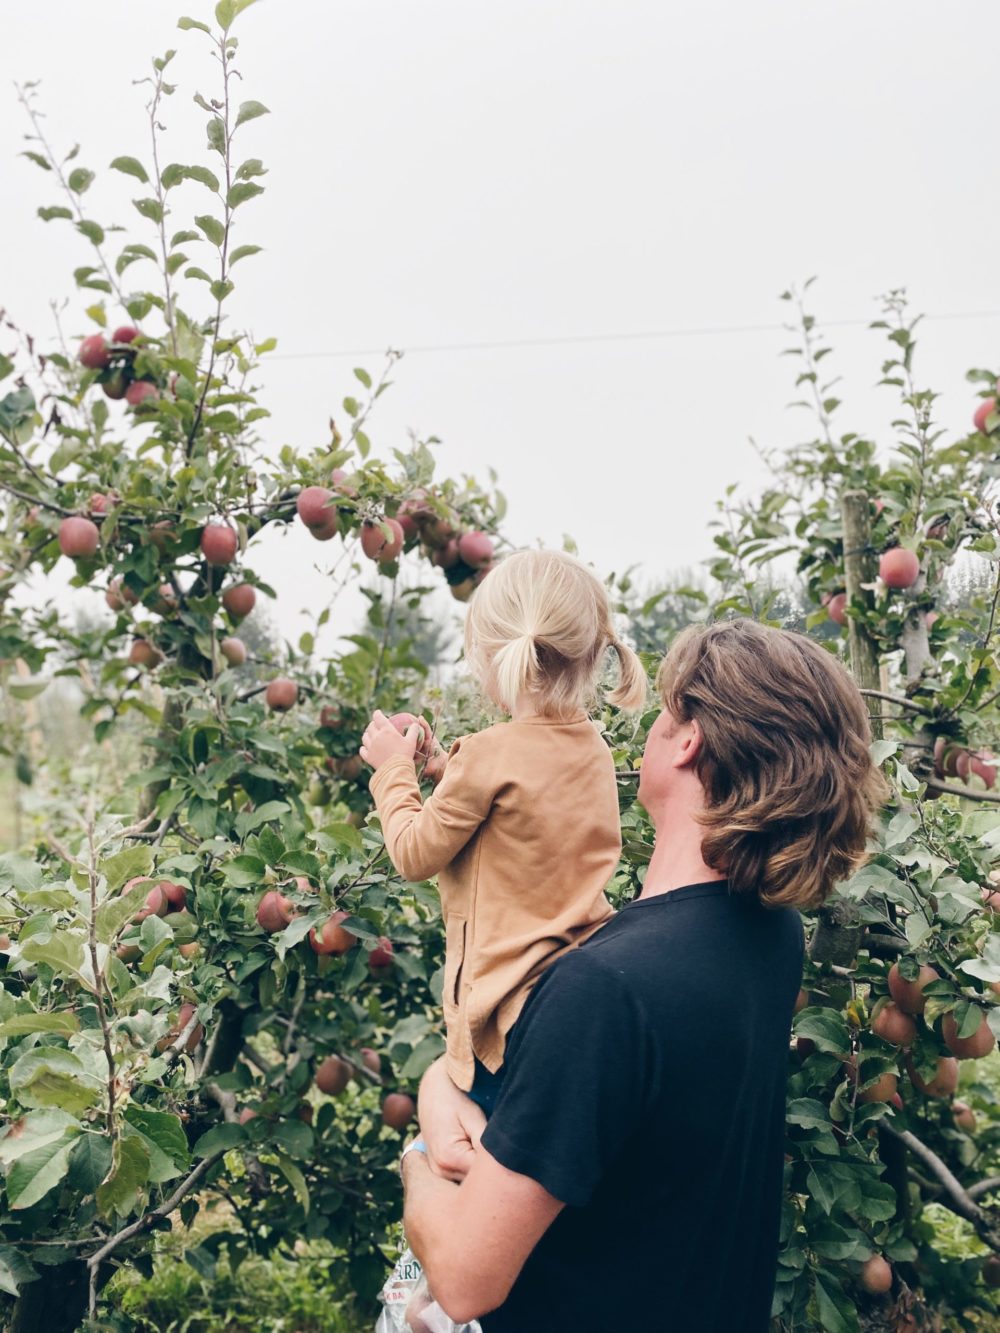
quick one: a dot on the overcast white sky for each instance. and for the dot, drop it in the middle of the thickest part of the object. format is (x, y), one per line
(452, 171)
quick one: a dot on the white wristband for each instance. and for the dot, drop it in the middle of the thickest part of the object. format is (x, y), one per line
(417, 1145)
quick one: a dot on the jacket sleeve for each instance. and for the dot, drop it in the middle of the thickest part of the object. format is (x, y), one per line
(422, 838)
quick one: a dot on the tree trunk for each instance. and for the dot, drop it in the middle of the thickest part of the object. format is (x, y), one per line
(55, 1303)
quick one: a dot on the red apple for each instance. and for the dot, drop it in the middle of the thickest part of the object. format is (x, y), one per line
(446, 556)
(313, 505)
(234, 651)
(380, 958)
(141, 391)
(985, 409)
(274, 911)
(156, 904)
(162, 535)
(329, 716)
(78, 537)
(100, 503)
(333, 1076)
(942, 1084)
(119, 595)
(476, 549)
(331, 937)
(899, 568)
(166, 600)
(398, 1110)
(371, 1059)
(882, 1090)
(975, 1047)
(991, 1270)
(94, 352)
(281, 694)
(893, 1026)
(909, 995)
(876, 1275)
(144, 654)
(125, 333)
(965, 1117)
(931, 619)
(184, 1016)
(219, 543)
(176, 894)
(377, 545)
(239, 600)
(836, 608)
(339, 482)
(984, 766)
(247, 1114)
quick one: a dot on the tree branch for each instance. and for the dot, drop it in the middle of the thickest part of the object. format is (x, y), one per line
(947, 789)
(953, 1194)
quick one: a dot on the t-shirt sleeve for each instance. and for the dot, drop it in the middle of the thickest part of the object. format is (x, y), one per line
(422, 837)
(578, 1073)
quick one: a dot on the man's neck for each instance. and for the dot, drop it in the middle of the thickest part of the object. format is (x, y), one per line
(677, 858)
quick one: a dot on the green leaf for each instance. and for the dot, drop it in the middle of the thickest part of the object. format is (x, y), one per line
(182, 238)
(163, 1129)
(363, 376)
(114, 912)
(199, 273)
(187, 24)
(253, 166)
(126, 865)
(212, 228)
(217, 135)
(38, 160)
(250, 111)
(175, 173)
(130, 1172)
(80, 180)
(241, 192)
(131, 167)
(245, 871)
(36, 1130)
(149, 208)
(251, 819)
(295, 1178)
(294, 1137)
(57, 211)
(825, 1027)
(270, 846)
(92, 230)
(33, 1175)
(89, 1163)
(220, 290)
(64, 1023)
(51, 1076)
(220, 1138)
(243, 252)
(808, 1113)
(833, 1305)
(63, 952)
(15, 1270)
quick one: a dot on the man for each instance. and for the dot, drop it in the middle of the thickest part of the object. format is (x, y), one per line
(630, 1175)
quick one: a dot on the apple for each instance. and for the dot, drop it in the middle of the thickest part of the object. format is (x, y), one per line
(128, 953)
(380, 958)
(78, 537)
(436, 531)
(371, 1060)
(379, 546)
(938, 530)
(464, 590)
(329, 716)
(893, 1026)
(991, 901)
(94, 352)
(119, 594)
(991, 1270)
(404, 721)
(184, 1016)
(333, 1076)
(281, 694)
(331, 937)
(141, 391)
(446, 557)
(398, 1110)
(899, 568)
(882, 1090)
(482, 572)
(306, 1112)
(247, 1114)
(313, 505)
(964, 1116)
(339, 482)
(176, 894)
(985, 409)
(896, 1101)
(944, 1081)
(190, 950)
(350, 768)
(144, 654)
(239, 600)
(219, 543)
(909, 995)
(234, 651)
(975, 1047)
(156, 905)
(100, 503)
(274, 911)
(984, 766)
(476, 549)
(125, 333)
(876, 1275)
(166, 600)
(116, 385)
(931, 619)
(836, 608)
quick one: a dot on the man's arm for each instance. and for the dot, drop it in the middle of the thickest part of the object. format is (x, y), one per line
(473, 1239)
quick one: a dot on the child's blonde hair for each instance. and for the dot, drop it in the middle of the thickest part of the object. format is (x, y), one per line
(540, 625)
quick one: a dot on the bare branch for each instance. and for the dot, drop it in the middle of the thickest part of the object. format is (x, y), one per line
(982, 1187)
(954, 1195)
(948, 789)
(894, 699)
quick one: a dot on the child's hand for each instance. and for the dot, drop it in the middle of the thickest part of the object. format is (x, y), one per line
(382, 741)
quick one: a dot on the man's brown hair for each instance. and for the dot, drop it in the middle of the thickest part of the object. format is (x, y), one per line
(790, 787)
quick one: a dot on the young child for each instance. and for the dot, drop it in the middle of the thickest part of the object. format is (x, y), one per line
(522, 829)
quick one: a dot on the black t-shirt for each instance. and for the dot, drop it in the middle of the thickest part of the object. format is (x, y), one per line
(645, 1088)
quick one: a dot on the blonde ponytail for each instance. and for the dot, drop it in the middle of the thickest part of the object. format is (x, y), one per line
(633, 688)
(515, 670)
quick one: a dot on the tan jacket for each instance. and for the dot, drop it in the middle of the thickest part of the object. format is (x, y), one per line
(523, 833)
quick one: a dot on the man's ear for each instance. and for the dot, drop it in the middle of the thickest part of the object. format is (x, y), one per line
(691, 740)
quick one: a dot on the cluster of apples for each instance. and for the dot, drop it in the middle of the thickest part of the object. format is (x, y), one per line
(952, 760)
(275, 912)
(164, 899)
(114, 361)
(331, 1077)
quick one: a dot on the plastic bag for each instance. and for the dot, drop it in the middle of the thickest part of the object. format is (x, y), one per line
(409, 1307)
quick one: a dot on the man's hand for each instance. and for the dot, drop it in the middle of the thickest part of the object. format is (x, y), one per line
(382, 741)
(451, 1124)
